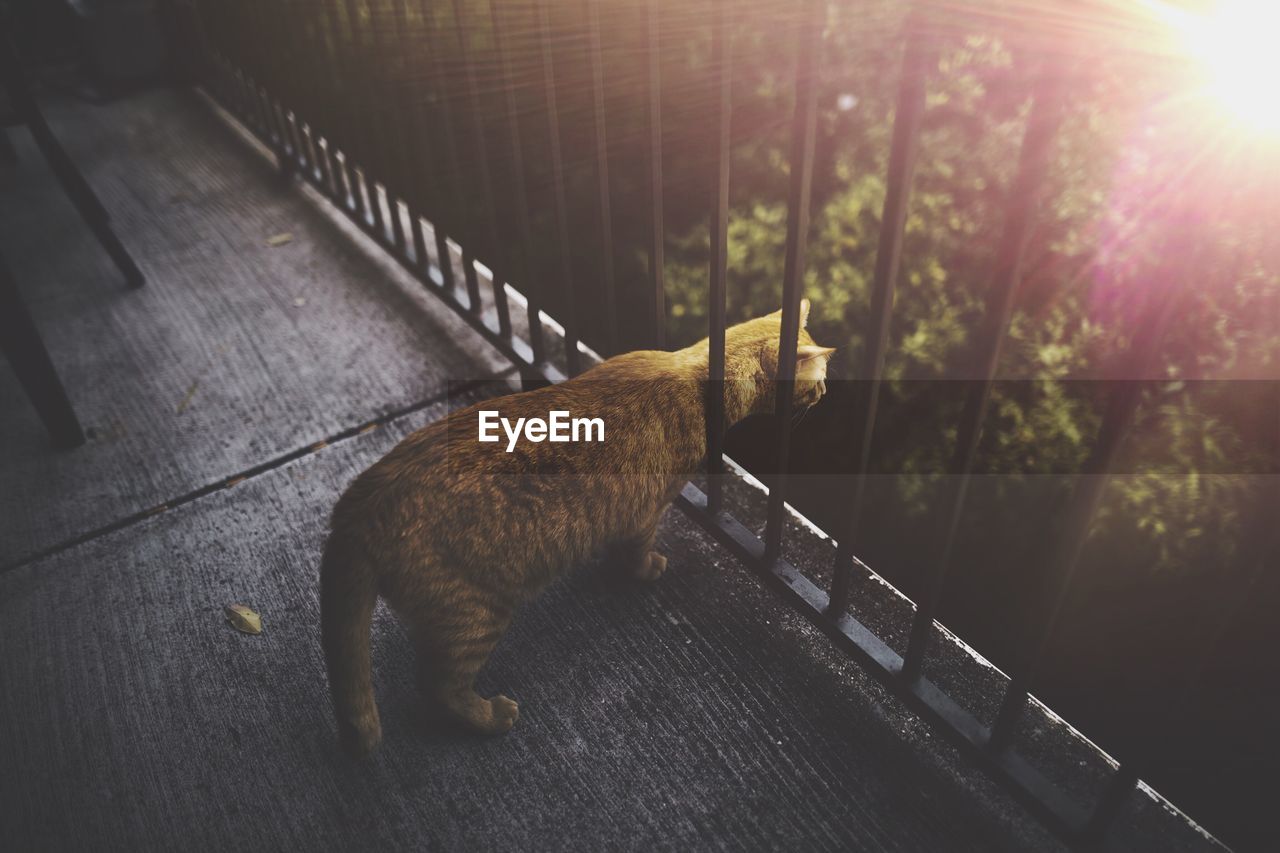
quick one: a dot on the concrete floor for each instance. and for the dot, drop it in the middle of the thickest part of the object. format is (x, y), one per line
(235, 353)
(691, 713)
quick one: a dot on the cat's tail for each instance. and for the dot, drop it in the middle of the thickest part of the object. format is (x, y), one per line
(348, 593)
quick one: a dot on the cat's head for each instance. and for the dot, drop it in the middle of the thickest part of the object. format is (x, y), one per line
(757, 342)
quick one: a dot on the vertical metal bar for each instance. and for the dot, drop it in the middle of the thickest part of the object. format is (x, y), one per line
(236, 50)
(318, 109)
(286, 91)
(602, 177)
(300, 21)
(387, 128)
(300, 157)
(233, 82)
(291, 70)
(657, 255)
(481, 150)
(219, 21)
(212, 29)
(294, 63)
(354, 132)
(273, 82)
(441, 196)
(249, 62)
(416, 174)
(369, 165)
(451, 164)
(721, 64)
(523, 248)
(1081, 509)
(238, 54)
(419, 239)
(1114, 796)
(376, 163)
(250, 108)
(570, 319)
(426, 192)
(320, 150)
(803, 132)
(361, 151)
(259, 107)
(344, 119)
(298, 18)
(916, 60)
(1020, 218)
(474, 301)
(247, 48)
(272, 130)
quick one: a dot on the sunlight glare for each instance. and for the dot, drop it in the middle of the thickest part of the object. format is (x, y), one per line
(1238, 45)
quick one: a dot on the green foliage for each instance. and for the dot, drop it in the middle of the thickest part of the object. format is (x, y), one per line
(1142, 201)
(1139, 206)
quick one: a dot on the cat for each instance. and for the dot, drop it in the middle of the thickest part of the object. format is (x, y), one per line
(455, 533)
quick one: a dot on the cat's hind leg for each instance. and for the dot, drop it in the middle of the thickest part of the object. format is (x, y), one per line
(453, 643)
(638, 557)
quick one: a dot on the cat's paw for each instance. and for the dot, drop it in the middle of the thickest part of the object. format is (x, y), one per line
(505, 714)
(651, 567)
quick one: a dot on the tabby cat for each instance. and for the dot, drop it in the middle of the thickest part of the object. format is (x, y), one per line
(455, 533)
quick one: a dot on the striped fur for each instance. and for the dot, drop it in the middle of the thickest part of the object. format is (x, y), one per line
(454, 534)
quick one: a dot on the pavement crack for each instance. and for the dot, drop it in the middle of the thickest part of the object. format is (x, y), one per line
(257, 470)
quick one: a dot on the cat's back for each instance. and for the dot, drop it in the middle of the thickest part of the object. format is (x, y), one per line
(447, 458)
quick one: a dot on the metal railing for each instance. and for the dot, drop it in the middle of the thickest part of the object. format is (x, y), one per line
(405, 156)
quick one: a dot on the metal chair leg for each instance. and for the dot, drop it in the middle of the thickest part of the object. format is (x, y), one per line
(81, 194)
(22, 346)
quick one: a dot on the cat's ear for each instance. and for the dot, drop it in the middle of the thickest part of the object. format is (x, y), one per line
(804, 313)
(805, 352)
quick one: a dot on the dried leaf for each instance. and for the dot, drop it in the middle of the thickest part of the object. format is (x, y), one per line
(186, 400)
(279, 239)
(243, 619)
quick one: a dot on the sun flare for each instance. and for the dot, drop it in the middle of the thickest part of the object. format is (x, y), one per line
(1236, 44)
